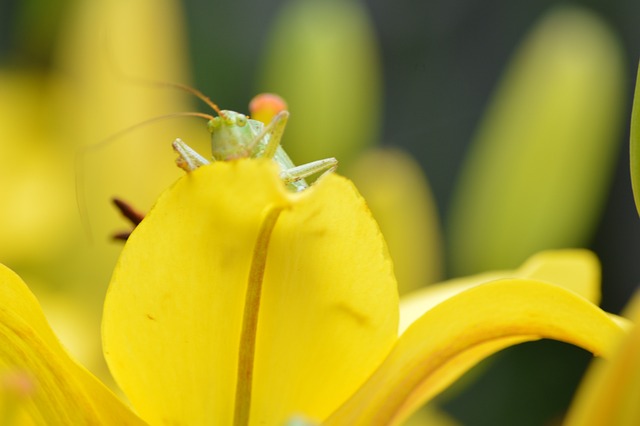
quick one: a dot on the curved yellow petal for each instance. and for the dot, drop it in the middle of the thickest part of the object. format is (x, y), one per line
(610, 391)
(172, 313)
(576, 270)
(482, 319)
(417, 303)
(332, 313)
(63, 391)
(174, 309)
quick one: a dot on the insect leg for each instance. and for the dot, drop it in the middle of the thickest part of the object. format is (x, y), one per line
(275, 130)
(296, 173)
(188, 159)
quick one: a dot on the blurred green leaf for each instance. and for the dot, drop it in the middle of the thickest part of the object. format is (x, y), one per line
(35, 29)
(400, 198)
(322, 57)
(539, 169)
(634, 142)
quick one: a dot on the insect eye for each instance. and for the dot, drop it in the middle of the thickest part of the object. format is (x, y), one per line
(241, 120)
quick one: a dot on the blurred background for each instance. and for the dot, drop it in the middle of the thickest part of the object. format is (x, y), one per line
(478, 131)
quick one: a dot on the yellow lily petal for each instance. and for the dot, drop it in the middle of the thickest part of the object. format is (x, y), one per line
(174, 309)
(610, 391)
(576, 270)
(63, 391)
(495, 315)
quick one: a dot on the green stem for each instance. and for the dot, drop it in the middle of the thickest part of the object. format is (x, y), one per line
(250, 318)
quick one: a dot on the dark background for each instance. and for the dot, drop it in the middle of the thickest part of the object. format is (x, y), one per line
(441, 61)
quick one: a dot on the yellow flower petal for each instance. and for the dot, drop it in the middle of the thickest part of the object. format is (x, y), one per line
(610, 392)
(174, 309)
(332, 313)
(481, 319)
(576, 270)
(63, 391)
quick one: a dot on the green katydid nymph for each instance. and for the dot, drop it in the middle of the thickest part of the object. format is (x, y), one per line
(234, 136)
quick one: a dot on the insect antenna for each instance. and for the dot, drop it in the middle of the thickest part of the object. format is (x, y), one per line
(82, 151)
(195, 92)
(120, 73)
(140, 81)
(164, 84)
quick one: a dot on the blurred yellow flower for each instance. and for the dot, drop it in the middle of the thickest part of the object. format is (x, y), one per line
(83, 99)
(36, 213)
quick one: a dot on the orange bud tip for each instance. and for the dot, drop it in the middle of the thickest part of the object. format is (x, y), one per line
(265, 106)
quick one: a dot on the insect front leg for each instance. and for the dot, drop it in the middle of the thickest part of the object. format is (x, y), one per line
(274, 130)
(297, 173)
(188, 159)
